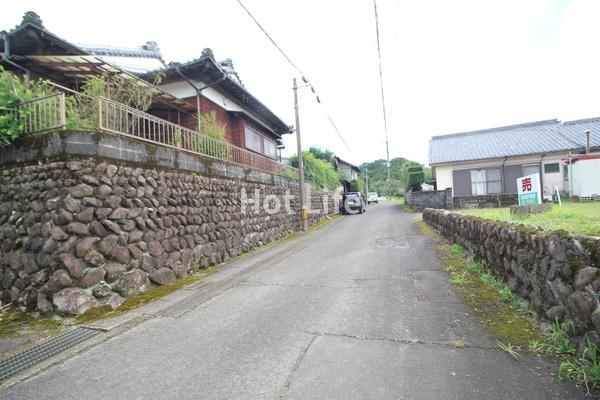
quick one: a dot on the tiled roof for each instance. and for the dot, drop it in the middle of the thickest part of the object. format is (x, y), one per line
(515, 140)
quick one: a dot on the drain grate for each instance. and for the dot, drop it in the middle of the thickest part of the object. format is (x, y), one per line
(392, 243)
(44, 351)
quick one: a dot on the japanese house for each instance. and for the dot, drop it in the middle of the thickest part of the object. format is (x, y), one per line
(489, 161)
(203, 86)
(351, 172)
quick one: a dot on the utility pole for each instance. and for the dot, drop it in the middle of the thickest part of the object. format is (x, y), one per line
(303, 210)
(389, 167)
(367, 181)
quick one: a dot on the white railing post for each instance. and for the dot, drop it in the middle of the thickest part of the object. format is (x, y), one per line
(62, 110)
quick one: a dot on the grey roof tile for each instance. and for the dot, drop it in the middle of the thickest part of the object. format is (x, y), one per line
(514, 140)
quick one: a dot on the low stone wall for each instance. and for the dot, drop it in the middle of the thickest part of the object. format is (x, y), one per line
(429, 199)
(556, 272)
(78, 229)
(486, 201)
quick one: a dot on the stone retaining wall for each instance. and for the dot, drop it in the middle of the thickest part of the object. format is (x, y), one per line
(429, 199)
(82, 230)
(486, 201)
(556, 272)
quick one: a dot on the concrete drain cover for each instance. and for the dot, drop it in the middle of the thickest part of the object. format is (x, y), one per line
(392, 243)
(44, 351)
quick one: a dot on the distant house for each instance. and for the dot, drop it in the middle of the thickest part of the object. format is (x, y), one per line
(489, 161)
(351, 172)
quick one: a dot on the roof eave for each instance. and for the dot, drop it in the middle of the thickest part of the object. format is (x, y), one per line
(209, 68)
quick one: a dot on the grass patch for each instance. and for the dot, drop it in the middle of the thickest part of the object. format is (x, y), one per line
(14, 322)
(397, 200)
(103, 312)
(510, 320)
(507, 318)
(580, 218)
(583, 370)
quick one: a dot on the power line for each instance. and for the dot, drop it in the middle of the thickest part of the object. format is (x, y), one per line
(297, 69)
(387, 145)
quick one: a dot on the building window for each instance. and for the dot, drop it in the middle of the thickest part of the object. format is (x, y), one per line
(531, 169)
(270, 148)
(551, 168)
(259, 144)
(478, 182)
(494, 181)
(486, 181)
(253, 140)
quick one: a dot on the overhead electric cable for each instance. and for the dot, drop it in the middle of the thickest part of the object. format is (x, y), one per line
(387, 145)
(297, 69)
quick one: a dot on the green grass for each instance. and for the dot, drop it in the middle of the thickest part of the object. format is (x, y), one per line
(581, 218)
(507, 318)
(14, 322)
(510, 320)
(397, 200)
(583, 370)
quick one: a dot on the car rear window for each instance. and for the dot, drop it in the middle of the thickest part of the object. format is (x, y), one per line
(352, 196)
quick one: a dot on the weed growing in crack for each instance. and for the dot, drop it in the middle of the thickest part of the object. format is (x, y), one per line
(509, 348)
(585, 370)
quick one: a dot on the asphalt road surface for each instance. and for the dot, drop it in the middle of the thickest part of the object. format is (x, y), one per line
(360, 309)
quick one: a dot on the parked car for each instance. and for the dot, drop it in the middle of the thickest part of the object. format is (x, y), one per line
(372, 197)
(352, 201)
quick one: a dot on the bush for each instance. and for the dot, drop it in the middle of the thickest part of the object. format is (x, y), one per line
(319, 172)
(357, 185)
(13, 91)
(415, 178)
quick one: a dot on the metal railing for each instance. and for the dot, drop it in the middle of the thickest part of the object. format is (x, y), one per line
(49, 112)
(42, 114)
(121, 119)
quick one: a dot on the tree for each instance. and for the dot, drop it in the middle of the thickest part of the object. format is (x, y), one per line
(323, 154)
(378, 174)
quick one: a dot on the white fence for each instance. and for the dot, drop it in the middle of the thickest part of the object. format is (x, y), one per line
(49, 112)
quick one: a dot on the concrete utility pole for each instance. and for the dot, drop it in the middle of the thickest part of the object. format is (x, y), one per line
(303, 212)
(389, 166)
(367, 181)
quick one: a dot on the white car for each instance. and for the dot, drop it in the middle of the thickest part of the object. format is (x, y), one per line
(372, 197)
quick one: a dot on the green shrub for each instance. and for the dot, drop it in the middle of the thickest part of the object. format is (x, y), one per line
(319, 172)
(14, 90)
(214, 143)
(415, 179)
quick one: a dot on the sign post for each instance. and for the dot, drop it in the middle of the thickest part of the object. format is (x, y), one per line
(529, 190)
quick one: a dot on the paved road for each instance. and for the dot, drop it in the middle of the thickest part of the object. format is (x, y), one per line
(358, 310)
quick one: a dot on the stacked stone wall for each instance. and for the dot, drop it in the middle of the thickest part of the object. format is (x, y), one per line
(78, 232)
(556, 272)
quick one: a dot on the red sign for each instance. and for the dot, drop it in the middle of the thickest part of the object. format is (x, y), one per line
(526, 185)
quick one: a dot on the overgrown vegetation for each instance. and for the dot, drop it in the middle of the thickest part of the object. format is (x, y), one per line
(82, 109)
(582, 218)
(130, 303)
(584, 369)
(215, 145)
(14, 90)
(415, 177)
(16, 322)
(506, 317)
(320, 172)
(510, 320)
(398, 172)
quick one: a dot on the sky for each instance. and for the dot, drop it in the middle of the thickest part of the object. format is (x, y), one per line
(448, 66)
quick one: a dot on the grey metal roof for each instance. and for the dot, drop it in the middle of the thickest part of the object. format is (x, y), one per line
(514, 140)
